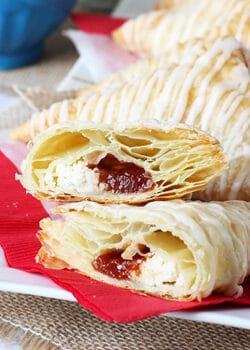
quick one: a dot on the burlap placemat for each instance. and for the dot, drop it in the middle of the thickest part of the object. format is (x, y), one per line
(39, 323)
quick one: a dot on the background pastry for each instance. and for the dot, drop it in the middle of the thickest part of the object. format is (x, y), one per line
(66, 110)
(132, 163)
(170, 4)
(185, 52)
(174, 249)
(202, 59)
(157, 31)
(226, 53)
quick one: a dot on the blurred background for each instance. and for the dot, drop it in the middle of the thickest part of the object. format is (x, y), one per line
(26, 24)
(104, 6)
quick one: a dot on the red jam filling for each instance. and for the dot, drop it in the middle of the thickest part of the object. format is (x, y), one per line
(122, 177)
(113, 265)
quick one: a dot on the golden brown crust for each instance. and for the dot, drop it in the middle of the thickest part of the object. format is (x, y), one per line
(50, 262)
(21, 133)
(40, 121)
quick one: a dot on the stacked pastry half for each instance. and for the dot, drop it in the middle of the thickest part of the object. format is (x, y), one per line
(134, 156)
(138, 228)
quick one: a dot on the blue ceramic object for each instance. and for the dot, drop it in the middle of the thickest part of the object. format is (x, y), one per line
(24, 25)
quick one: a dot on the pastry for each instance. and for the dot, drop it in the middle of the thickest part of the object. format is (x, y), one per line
(186, 52)
(174, 249)
(58, 112)
(170, 4)
(124, 163)
(107, 102)
(158, 31)
(212, 93)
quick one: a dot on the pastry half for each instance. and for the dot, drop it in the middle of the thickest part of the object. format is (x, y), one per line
(175, 249)
(158, 31)
(132, 163)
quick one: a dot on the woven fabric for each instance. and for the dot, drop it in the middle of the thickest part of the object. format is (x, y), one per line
(58, 57)
(69, 327)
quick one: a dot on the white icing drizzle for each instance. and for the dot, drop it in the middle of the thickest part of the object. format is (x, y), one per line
(42, 121)
(52, 114)
(221, 18)
(241, 175)
(33, 121)
(110, 109)
(84, 108)
(241, 28)
(225, 52)
(64, 112)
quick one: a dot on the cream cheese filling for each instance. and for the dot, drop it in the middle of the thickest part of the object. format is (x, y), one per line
(156, 271)
(159, 273)
(72, 178)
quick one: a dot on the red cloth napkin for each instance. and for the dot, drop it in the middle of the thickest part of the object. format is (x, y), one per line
(96, 24)
(19, 216)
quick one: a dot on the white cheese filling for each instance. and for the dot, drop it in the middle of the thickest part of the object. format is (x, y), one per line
(156, 271)
(72, 178)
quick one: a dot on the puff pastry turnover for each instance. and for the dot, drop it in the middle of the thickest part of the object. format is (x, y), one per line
(175, 249)
(212, 93)
(132, 163)
(201, 60)
(157, 31)
(185, 52)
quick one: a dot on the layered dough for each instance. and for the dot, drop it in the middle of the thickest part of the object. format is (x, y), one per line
(175, 249)
(132, 163)
(158, 31)
(212, 93)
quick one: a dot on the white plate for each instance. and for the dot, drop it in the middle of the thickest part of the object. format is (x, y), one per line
(12, 280)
